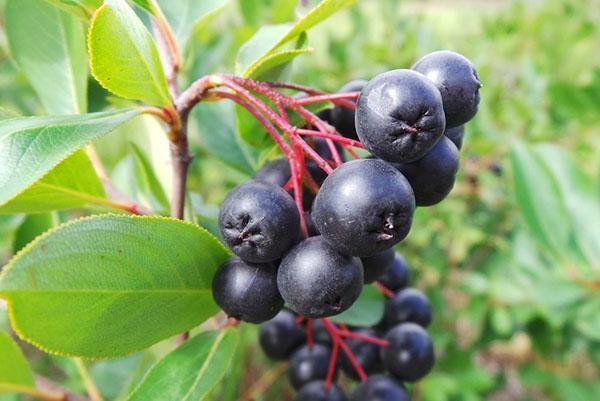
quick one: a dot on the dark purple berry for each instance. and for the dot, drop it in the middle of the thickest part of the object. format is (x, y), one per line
(408, 305)
(409, 356)
(281, 336)
(315, 391)
(309, 364)
(456, 135)
(380, 388)
(342, 118)
(367, 354)
(397, 275)
(375, 266)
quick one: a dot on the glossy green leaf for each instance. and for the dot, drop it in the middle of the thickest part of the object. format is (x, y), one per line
(32, 226)
(80, 8)
(30, 147)
(72, 183)
(186, 15)
(367, 311)
(268, 39)
(49, 45)
(192, 370)
(15, 375)
(107, 286)
(123, 56)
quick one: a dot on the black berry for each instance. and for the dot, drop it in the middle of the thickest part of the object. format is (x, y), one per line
(408, 305)
(342, 118)
(409, 356)
(281, 336)
(364, 207)
(457, 81)
(317, 281)
(397, 275)
(247, 291)
(375, 266)
(259, 221)
(432, 177)
(276, 172)
(399, 116)
(456, 135)
(380, 388)
(315, 391)
(367, 354)
(309, 364)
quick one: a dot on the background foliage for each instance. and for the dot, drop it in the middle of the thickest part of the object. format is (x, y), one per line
(510, 261)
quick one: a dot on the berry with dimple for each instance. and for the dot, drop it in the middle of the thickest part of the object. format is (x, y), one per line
(380, 388)
(367, 354)
(281, 336)
(259, 221)
(342, 118)
(309, 364)
(457, 80)
(409, 355)
(364, 207)
(408, 305)
(315, 391)
(399, 116)
(397, 275)
(375, 266)
(456, 135)
(247, 291)
(432, 177)
(317, 281)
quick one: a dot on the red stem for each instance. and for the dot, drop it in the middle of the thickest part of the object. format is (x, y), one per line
(337, 338)
(364, 338)
(384, 290)
(332, 362)
(329, 98)
(333, 137)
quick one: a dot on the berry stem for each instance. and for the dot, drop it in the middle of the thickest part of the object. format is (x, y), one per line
(332, 362)
(333, 137)
(364, 338)
(384, 290)
(337, 338)
(329, 98)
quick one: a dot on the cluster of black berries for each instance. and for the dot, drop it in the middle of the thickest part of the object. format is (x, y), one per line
(399, 345)
(361, 210)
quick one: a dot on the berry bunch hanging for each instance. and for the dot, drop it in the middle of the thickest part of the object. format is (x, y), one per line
(311, 229)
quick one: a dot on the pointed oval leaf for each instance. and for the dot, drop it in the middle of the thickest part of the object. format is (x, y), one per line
(107, 286)
(15, 375)
(30, 147)
(49, 45)
(191, 371)
(124, 57)
(32, 226)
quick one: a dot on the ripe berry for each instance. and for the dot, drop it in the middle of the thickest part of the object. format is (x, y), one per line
(364, 207)
(281, 336)
(457, 81)
(317, 281)
(408, 305)
(342, 118)
(276, 172)
(456, 135)
(397, 275)
(399, 116)
(320, 334)
(380, 388)
(309, 364)
(376, 265)
(432, 177)
(315, 391)
(367, 354)
(259, 221)
(409, 356)
(247, 291)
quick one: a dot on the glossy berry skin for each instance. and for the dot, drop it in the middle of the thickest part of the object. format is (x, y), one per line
(456, 135)
(276, 172)
(247, 291)
(432, 177)
(367, 354)
(342, 118)
(317, 281)
(315, 391)
(281, 336)
(309, 364)
(397, 274)
(399, 116)
(409, 356)
(380, 388)
(457, 81)
(259, 221)
(375, 266)
(364, 207)
(408, 305)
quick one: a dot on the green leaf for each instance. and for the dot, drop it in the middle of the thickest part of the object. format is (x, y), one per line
(72, 183)
(30, 147)
(15, 375)
(186, 15)
(80, 8)
(192, 370)
(49, 45)
(261, 47)
(32, 226)
(107, 286)
(123, 56)
(367, 311)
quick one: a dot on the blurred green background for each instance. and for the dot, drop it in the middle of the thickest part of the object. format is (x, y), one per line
(510, 261)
